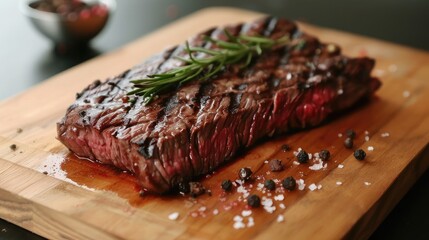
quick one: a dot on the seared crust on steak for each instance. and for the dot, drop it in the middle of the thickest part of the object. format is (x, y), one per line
(191, 131)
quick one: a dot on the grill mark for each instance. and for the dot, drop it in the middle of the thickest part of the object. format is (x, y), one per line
(148, 147)
(235, 98)
(115, 85)
(234, 102)
(166, 56)
(139, 100)
(171, 102)
(270, 25)
(205, 92)
(274, 82)
(206, 88)
(201, 97)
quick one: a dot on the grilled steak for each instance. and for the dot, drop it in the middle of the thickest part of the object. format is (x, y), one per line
(192, 130)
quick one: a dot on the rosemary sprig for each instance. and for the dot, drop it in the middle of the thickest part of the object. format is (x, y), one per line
(237, 49)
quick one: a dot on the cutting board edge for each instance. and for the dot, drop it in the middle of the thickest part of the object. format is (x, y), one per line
(192, 15)
(27, 211)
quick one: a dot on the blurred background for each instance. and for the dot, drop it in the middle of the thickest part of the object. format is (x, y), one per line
(28, 58)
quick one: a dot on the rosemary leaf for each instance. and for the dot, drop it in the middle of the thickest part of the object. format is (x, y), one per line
(237, 49)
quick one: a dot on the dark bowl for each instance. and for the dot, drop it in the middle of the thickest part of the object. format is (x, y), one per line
(69, 28)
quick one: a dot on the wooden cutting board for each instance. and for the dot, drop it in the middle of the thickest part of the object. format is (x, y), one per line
(82, 200)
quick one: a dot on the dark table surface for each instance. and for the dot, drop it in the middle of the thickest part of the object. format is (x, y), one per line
(28, 59)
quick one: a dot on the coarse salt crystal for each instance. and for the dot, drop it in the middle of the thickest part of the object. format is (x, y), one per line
(237, 218)
(312, 187)
(279, 197)
(406, 94)
(250, 222)
(370, 148)
(366, 138)
(339, 183)
(270, 209)
(173, 216)
(239, 182)
(316, 166)
(310, 156)
(260, 186)
(268, 202)
(386, 134)
(202, 209)
(266, 161)
(241, 189)
(280, 218)
(246, 213)
(367, 183)
(340, 135)
(340, 91)
(239, 225)
(366, 132)
(340, 166)
(301, 184)
(319, 186)
(215, 212)
(316, 155)
(282, 206)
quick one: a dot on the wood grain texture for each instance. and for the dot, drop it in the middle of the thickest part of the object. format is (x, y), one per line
(82, 200)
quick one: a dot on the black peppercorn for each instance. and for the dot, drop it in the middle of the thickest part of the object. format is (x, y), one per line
(348, 143)
(360, 154)
(351, 133)
(254, 201)
(302, 156)
(196, 189)
(324, 155)
(285, 148)
(13, 147)
(226, 185)
(270, 184)
(276, 165)
(289, 183)
(245, 173)
(184, 187)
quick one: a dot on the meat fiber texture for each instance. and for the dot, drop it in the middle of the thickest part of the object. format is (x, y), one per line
(199, 126)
